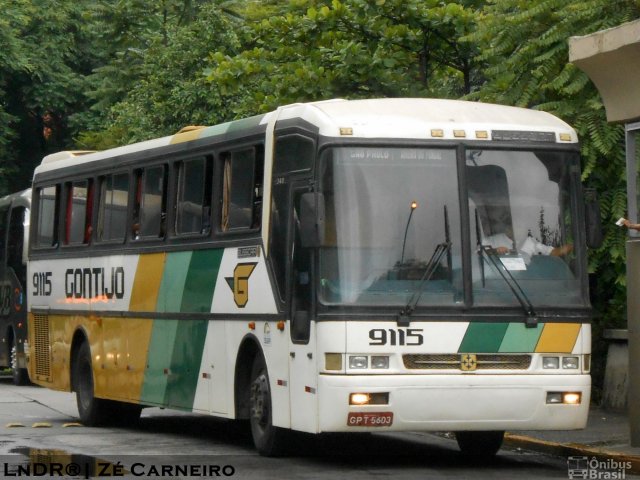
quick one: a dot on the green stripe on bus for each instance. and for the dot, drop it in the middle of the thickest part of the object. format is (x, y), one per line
(173, 281)
(185, 364)
(483, 337)
(163, 339)
(201, 280)
(519, 338)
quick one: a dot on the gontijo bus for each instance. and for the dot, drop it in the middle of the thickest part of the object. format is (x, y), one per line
(323, 268)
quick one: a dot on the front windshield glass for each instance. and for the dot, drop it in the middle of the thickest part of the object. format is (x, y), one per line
(387, 210)
(522, 223)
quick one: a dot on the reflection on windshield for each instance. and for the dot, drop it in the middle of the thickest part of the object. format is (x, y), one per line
(387, 209)
(521, 209)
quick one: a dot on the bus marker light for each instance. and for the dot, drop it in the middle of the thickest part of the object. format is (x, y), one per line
(482, 134)
(346, 131)
(333, 361)
(252, 325)
(565, 137)
(280, 325)
(586, 363)
(459, 133)
(359, 399)
(437, 133)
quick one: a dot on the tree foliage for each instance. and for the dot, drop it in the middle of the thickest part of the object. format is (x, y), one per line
(359, 48)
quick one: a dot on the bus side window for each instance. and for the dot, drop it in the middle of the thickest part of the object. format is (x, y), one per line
(77, 230)
(193, 207)
(151, 202)
(242, 189)
(46, 223)
(15, 257)
(114, 201)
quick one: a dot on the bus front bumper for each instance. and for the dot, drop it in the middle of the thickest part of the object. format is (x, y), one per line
(453, 402)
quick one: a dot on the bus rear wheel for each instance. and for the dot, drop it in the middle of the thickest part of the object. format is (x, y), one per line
(92, 411)
(480, 444)
(268, 439)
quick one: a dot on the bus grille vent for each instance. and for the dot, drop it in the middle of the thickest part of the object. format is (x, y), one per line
(484, 361)
(42, 346)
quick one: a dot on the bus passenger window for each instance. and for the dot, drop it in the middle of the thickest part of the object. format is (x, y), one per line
(16, 258)
(3, 234)
(193, 207)
(151, 202)
(114, 200)
(242, 190)
(78, 213)
(46, 235)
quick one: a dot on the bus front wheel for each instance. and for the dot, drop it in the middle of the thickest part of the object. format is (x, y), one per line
(92, 410)
(269, 440)
(480, 444)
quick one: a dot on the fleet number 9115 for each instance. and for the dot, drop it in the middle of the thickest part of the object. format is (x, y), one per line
(396, 336)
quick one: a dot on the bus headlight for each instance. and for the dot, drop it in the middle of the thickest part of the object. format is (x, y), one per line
(358, 362)
(379, 361)
(550, 362)
(570, 363)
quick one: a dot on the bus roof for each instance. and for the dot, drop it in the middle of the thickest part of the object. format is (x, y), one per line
(415, 118)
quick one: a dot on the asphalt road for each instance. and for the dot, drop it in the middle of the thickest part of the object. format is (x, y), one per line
(40, 438)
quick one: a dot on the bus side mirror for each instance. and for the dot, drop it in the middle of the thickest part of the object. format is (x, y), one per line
(593, 218)
(312, 219)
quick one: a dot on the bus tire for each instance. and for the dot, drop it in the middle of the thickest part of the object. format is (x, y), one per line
(20, 375)
(91, 410)
(269, 440)
(480, 444)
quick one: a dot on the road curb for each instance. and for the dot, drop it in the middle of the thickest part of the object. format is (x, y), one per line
(572, 449)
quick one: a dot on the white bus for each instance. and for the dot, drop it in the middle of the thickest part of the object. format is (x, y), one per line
(326, 267)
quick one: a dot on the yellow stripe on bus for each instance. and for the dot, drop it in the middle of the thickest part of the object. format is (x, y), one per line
(146, 285)
(558, 338)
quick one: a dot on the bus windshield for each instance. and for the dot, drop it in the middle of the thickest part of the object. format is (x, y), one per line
(523, 225)
(388, 209)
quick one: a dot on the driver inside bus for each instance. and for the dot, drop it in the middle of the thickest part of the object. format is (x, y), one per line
(502, 243)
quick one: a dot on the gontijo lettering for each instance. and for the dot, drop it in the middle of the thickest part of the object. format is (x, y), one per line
(94, 282)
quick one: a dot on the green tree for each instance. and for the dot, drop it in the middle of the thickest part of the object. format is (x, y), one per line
(43, 62)
(356, 48)
(166, 89)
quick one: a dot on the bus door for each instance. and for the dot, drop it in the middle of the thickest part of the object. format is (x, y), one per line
(14, 283)
(303, 363)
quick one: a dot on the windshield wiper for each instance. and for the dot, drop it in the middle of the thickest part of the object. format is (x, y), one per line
(485, 251)
(440, 250)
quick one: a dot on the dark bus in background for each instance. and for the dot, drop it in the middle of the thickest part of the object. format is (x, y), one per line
(14, 231)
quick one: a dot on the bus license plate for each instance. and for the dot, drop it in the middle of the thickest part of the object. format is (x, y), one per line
(370, 419)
